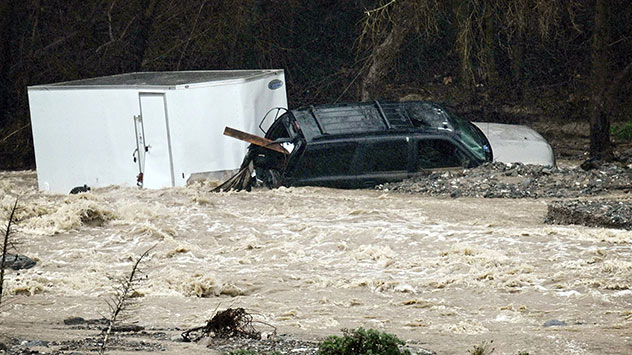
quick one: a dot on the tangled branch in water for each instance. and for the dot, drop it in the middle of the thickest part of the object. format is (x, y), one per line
(233, 322)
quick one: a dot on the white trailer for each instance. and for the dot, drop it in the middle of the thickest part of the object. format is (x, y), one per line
(152, 129)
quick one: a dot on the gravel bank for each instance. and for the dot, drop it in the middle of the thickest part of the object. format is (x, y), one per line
(498, 180)
(285, 344)
(609, 213)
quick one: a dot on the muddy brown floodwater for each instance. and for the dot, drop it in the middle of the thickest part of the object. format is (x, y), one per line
(444, 274)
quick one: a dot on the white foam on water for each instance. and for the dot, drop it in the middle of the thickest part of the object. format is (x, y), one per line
(315, 259)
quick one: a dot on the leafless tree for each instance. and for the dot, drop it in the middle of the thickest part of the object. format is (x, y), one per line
(384, 31)
(123, 299)
(5, 245)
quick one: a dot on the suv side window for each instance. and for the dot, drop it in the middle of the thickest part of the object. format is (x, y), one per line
(327, 160)
(390, 155)
(437, 153)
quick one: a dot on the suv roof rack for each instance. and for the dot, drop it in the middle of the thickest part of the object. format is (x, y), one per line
(364, 117)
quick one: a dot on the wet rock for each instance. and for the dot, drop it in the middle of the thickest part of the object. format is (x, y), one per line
(128, 328)
(554, 323)
(74, 321)
(34, 343)
(18, 262)
(177, 338)
(592, 163)
(98, 321)
(79, 189)
(526, 183)
(609, 213)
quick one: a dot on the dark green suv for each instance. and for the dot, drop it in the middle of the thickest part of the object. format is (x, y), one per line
(364, 144)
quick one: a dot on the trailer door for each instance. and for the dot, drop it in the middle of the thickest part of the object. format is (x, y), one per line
(156, 164)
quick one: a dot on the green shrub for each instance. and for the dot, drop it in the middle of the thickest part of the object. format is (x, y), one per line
(622, 132)
(360, 341)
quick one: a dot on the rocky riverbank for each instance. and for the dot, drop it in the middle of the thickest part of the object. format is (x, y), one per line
(499, 180)
(571, 184)
(609, 213)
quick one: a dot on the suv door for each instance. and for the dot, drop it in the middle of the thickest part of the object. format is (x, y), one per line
(326, 164)
(383, 159)
(432, 153)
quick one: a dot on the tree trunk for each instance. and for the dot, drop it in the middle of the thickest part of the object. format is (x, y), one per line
(516, 57)
(6, 36)
(381, 59)
(141, 32)
(488, 54)
(464, 39)
(600, 145)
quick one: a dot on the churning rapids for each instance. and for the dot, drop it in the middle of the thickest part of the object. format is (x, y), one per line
(441, 273)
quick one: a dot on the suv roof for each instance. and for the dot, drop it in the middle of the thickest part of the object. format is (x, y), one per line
(341, 119)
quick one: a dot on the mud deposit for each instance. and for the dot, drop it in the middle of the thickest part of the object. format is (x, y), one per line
(444, 274)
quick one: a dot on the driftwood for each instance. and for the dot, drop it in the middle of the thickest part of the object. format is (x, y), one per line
(241, 180)
(232, 322)
(256, 140)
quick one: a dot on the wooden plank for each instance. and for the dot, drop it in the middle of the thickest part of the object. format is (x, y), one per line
(256, 140)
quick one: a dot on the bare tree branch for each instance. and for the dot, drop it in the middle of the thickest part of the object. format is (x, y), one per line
(5, 244)
(121, 301)
(186, 44)
(14, 133)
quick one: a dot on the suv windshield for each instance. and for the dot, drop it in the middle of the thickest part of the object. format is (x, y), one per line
(471, 137)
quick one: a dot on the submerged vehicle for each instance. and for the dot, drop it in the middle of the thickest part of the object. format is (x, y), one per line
(365, 144)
